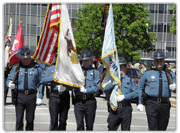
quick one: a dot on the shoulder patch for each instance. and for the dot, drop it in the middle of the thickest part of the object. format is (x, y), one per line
(136, 84)
(46, 67)
(44, 71)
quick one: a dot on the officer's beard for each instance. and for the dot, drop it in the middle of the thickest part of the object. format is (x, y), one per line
(27, 66)
(88, 67)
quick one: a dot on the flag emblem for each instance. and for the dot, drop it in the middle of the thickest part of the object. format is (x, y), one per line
(74, 58)
(71, 52)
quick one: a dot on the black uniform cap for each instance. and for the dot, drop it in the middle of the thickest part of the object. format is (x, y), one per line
(25, 53)
(86, 55)
(159, 54)
(122, 61)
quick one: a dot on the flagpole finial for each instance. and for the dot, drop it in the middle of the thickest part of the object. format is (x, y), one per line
(21, 19)
(11, 15)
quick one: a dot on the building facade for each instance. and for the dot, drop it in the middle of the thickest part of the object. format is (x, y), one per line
(32, 16)
(161, 15)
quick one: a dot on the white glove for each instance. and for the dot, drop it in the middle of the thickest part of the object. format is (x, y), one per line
(140, 107)
(120, 98)
(172, 87)
(82, 89)
(115, 82)
(61, 88)
(39, 101)
(11, 85)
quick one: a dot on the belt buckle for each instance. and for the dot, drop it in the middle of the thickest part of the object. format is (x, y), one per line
(159, 100)
(120, 105)
(26, 92)
(60, 93)
(84, 97)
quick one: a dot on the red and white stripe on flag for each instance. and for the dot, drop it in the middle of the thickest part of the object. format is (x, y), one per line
(49, 36)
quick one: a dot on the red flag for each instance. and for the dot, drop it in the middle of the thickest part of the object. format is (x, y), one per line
(49, 35)
(18, 44)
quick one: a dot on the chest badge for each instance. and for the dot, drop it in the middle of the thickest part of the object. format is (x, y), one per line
(91, 74)
(153, 76)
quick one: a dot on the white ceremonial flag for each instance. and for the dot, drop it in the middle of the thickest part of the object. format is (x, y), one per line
(7, 42)
(68, 70)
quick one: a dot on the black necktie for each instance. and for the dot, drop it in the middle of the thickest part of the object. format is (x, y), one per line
(160, 84)
(26, 79)
(85, 74)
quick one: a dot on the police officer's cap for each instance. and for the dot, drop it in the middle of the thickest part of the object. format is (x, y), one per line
(86, 55)
(143, 63)
(159, 54)
(25, 53)
(122, 61)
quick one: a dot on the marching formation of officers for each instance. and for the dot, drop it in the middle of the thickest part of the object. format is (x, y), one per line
(153, 91)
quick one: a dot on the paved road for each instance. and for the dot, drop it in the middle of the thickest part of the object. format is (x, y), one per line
(42, 118)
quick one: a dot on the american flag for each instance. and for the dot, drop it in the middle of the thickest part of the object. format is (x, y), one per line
(49, 35)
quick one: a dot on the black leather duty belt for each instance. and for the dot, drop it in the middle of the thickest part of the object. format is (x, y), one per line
(60, 93)
(122, 104)
(27, 92)
(85, 97)
(159, 100)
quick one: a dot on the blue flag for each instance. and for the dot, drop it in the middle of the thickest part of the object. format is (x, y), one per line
(110, 60)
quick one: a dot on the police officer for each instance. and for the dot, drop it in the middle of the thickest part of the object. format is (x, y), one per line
(41, 94)
(157, 88)
(6, 72)
(101, 68)
(59, 99)
(85, 102)
(25, 85)
(142, 67)
(123, 114)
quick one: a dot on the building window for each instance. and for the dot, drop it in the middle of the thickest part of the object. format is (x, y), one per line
(161, 8)
(151, 8)
(170, 8)
(160, 27)
(168, 28)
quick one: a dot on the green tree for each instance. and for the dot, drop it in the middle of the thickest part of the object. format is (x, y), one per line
(173, 26)
(130, 16)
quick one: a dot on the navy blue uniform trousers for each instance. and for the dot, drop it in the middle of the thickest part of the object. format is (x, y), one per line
(158, 114)
(28, 103)
(59, 105)
(121, 116)
(87, 109)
